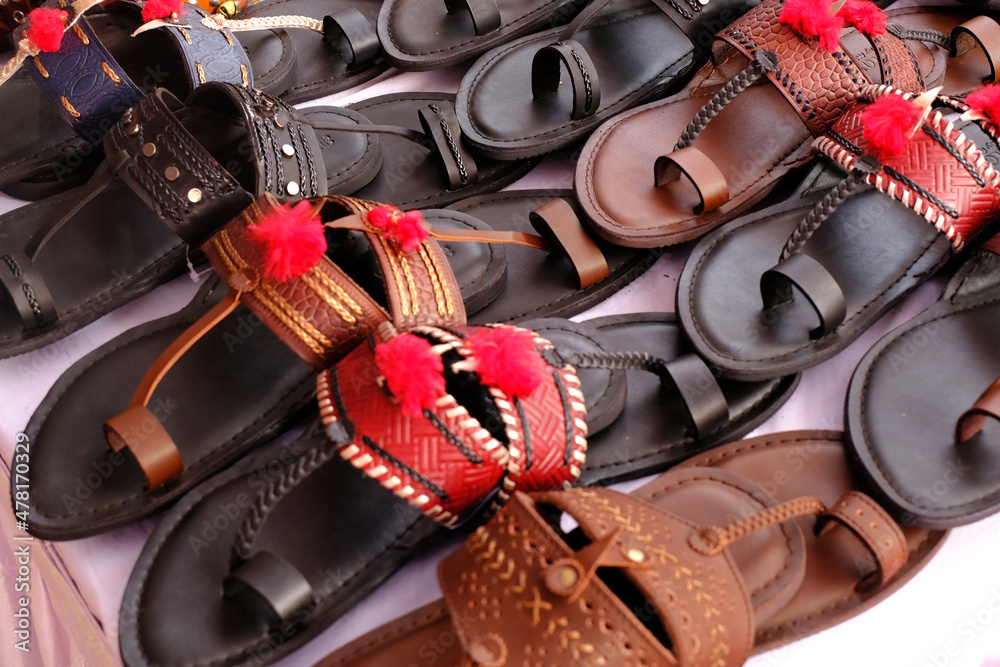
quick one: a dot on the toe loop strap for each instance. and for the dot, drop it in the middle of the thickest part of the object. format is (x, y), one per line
(546, 76)
(872, 525)
(982, 32)
(987, 406)
(440, 125)
(558, 224)
(349, 26)
(701, 170)
(703, 398)
(22, 281)
(138, 430)
(269, 578)
(814, 282)
(485, 13)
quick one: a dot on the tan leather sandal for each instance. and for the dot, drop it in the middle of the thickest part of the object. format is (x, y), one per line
(705, 565)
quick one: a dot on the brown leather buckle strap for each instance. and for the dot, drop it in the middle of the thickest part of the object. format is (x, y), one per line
(982, 32)
(987, 406)
(137, 429)
(704, 174)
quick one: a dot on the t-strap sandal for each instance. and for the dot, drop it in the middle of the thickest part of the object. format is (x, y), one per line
(169, 439)
(612, 56)
(672, 170)
(444, 475)
(701, 567)
(775, 294)
(420, 35)
(64, 99)
(432, 164)
(923, 404)
(81, 254)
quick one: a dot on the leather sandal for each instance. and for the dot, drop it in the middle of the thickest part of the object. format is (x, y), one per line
(469, 449)
(704, 566)
(779, 291)
(173, 433)
(612, 56)
(345, 53)
(61, 103)
(419, 35)
(672, 170)
(433, 167)
(923, 404)
(194, 166)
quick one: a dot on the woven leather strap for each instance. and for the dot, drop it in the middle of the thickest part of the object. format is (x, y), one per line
(517, 589)
(819, 85)
(943, 176)
(447, 462)
(91, 91)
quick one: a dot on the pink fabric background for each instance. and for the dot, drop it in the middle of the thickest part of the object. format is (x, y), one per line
(77, 587)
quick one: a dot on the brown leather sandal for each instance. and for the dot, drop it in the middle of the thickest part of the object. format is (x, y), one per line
(650, 177)
(708, 563)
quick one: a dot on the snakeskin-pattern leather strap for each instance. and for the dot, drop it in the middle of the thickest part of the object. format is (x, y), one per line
(91, 91)
(171, 171)
(324, 313)
(516, 589)
(819, 85)
(943, 176)
(447, 462)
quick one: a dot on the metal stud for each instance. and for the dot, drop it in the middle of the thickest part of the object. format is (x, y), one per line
(636, 556)
(292, 188)
(149, 150)
(194, 195)
(172, 173)
(133, 129)
(288, 150)
(280, 121)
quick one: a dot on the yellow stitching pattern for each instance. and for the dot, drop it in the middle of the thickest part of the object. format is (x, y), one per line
(328, 298)
(445, 308)
(187, 37)
(339, 291)
(41, 68)
(81, 34)
(246, 76)
(201, 72)
(411, 284)
(295, 315)
(404, 304)
(69, 107)
(111, 73)
(225, 33)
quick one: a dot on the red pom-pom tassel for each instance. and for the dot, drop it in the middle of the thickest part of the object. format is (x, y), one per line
(46, 27)
(506, 359)
(412, 371)
(160, 9)
(404, 228)
(985, 102)
(867, 17)
(813, 20)
(292, 239)
(889, 123)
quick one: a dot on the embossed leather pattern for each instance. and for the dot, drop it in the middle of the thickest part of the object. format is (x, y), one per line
(445, 463)
(91, 91)
(952, 186)
(209, 54)
(82, 80)
(505, 610)
(171, 171)
(819, 85)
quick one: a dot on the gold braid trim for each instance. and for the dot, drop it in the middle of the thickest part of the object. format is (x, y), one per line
(395, 274)
(328, 298)
(338, 290)
(445, 308)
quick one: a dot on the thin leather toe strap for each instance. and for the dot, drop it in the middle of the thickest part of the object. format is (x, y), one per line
(987, 406)
(351, 26)
(701, 170)
(814, 282)
(982, 32)
(703, 398)
(546, 75)
(26, 287)
(485, 13)
(138, 430)
(441, 125)
(558, 224)
(273, 581)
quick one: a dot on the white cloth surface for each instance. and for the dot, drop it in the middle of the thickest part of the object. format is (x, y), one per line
(947, 616)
